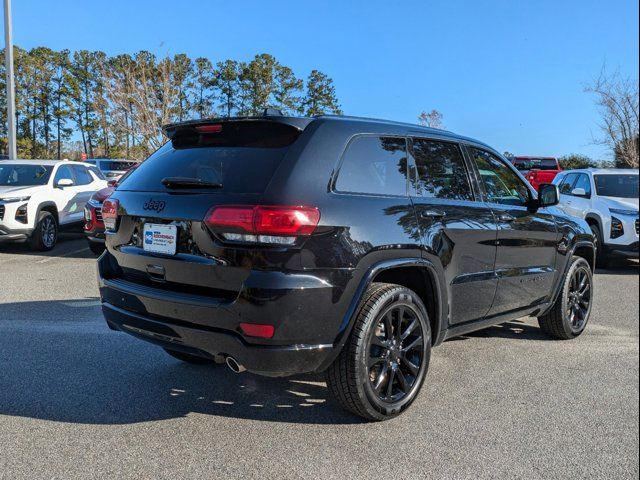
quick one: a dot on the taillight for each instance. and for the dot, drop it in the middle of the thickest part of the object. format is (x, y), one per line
(257, 330)
(110, 213)
(263, 224)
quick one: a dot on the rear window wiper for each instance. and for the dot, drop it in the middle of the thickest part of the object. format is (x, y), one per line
(186, 182)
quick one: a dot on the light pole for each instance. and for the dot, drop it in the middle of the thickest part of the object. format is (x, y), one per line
(11, 102)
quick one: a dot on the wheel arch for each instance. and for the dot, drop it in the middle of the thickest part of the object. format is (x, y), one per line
(594, 219)
(50, 207)
(581, 249)
(406, 272)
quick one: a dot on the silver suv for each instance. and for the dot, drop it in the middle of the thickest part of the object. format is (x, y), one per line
(113, 169)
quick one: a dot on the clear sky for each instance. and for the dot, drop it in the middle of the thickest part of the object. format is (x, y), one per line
(510, 73)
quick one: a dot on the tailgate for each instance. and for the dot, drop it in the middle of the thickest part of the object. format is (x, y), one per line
(200, 265)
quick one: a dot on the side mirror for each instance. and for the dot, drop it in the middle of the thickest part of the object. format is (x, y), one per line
(64, 182)
(548, 195)
(112, 183)
(579, 192)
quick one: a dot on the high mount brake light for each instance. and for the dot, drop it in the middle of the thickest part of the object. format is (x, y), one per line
(216, 128)
(110, 213)
(264, 224)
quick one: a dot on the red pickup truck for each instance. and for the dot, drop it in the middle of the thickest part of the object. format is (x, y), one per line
(537, 170)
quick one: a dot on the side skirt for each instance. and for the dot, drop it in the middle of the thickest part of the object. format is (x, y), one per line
(475, 325)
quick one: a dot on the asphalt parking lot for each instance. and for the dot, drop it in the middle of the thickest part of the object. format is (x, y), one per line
(78, 400)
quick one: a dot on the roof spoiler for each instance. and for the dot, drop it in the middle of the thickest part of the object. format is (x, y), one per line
(269, 115)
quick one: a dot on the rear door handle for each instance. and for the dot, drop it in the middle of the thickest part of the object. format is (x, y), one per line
(506, 217)
(432, 214)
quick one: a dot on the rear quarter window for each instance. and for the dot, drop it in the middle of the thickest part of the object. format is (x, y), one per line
(374, 165)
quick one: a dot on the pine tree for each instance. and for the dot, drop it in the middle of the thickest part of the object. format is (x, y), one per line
(320, 95)
(226, 83)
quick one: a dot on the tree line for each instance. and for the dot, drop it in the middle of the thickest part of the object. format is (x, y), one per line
(86, 102)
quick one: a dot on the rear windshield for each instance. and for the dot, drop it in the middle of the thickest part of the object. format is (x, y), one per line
(20, 175)
(535, 163)
(620, 186)
(115, 165)
(239, 156)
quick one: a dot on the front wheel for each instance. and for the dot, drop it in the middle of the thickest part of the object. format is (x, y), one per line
(569, 315)
(381, 368)
(45, 235)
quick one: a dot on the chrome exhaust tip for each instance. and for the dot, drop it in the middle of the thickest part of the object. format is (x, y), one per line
(234, 365)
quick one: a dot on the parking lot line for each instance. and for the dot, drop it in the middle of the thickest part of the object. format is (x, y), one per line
(73, 252)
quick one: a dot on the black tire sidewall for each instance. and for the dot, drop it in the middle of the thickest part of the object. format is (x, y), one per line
(376, 407)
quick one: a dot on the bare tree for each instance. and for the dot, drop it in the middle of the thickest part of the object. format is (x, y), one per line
(151, 89)
(617, 101)
(431, 119)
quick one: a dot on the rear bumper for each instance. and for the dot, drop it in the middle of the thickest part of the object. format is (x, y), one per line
(208, 326)
(273, 361)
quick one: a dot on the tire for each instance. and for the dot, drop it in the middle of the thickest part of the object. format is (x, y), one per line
(570, 313)
(96, 248)
(602, 260)
(188, 358)
(357, 377)
(45, 235)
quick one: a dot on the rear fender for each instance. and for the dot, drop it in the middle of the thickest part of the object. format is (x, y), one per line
(354, 307)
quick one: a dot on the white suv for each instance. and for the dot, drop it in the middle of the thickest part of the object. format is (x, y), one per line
(39, 197)
(608, 200)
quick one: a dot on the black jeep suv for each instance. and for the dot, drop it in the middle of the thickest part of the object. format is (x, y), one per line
(351, 246)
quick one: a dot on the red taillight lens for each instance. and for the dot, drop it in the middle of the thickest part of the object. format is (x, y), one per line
(264, 221)
(110, 213)
(257, 330)
(234, 217)
(286, 220)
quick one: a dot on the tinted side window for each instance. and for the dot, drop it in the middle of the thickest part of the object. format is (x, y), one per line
(82, 175)
(583, 182)
(63, 172)
(376, 165)
(500, 182)
(441, 170)
(567, 184)
(99, 175)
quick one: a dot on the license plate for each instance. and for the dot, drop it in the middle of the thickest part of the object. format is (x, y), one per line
(160, 238)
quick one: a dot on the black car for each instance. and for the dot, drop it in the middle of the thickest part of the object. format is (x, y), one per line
(342, 245)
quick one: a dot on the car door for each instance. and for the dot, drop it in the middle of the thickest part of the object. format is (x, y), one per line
(566, 187)
(65, 196)
(527, 239)
(85, 185)
(579, 199)
(458, 230)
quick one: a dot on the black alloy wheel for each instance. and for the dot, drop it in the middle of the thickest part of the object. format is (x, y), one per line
(579, 299)
(395, 353)
(382, 366)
